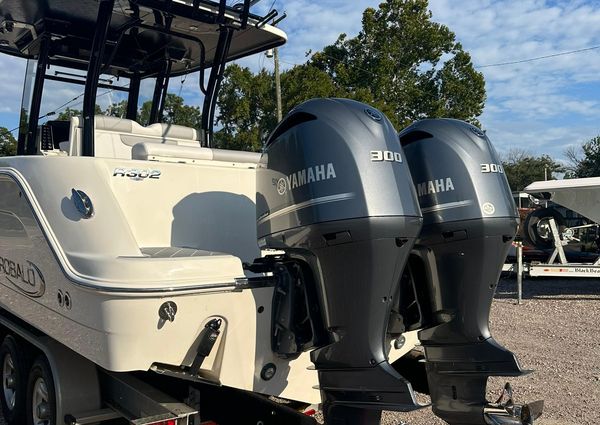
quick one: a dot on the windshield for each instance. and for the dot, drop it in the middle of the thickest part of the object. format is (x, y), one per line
(62, 96)
(63, 91)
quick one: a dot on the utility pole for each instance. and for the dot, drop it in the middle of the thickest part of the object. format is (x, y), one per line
(275, 56)
(277, 84)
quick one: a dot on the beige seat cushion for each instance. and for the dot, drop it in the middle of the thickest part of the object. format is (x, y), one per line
(155, 152)
(115, 137)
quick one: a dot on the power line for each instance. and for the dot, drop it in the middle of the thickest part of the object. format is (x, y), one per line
(57, 110)
(570, 52)
(289, 63)
(554, 55)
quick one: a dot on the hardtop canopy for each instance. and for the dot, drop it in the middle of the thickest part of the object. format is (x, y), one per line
(136, 39)
(142, 33)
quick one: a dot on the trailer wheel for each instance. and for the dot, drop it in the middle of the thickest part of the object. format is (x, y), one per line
(40, 408)
(537, 227)
(14, 380)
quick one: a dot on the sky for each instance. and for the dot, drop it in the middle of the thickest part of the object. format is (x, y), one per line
(541, 106)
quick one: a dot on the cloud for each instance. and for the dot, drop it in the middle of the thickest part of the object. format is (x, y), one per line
(312, 25)
(541, 105)
(546, 104)
(12, 70)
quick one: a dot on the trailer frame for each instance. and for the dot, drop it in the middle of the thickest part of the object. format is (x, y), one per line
(563, 268)
(87, 394)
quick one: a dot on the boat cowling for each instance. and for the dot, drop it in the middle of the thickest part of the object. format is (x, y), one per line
(334, 192)
(470, 220)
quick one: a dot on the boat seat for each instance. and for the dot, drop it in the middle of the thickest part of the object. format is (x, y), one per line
(176, 153)
(174, 252)
(173, 131)
(64, 146)
(115, 137)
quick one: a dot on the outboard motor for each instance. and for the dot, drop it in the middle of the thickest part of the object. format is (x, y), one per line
(469, 221)
(335, 193)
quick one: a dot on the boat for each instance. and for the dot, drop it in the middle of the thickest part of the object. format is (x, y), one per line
(123, 242)
(145, 251)
(548, 227)
(579, 195)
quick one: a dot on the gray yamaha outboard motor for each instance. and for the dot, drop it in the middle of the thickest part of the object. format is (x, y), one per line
(334, 192)
(469, 221)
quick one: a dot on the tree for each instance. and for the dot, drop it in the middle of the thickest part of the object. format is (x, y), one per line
(247, 108)
(246, 104)
(118, 110)
(401, 62)
(589, 164)
(304, 82)
(8, 143)
(143, 116)
(68, 113)
(175, 112)
(522, 168)
(397, 58)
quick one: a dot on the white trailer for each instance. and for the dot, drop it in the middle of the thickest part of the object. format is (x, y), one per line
(563, 268)
(579, 195)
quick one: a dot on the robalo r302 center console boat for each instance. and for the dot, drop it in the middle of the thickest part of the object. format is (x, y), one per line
(296, 273)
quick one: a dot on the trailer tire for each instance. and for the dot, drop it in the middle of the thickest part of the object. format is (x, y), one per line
(40, 408)
(538, 221)
(13, 366)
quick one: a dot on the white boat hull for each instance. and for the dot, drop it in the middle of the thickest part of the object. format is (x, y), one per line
(180, 238)
(113, 321)
(579, 195)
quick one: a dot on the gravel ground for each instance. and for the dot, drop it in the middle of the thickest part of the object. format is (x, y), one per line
(555, 331)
